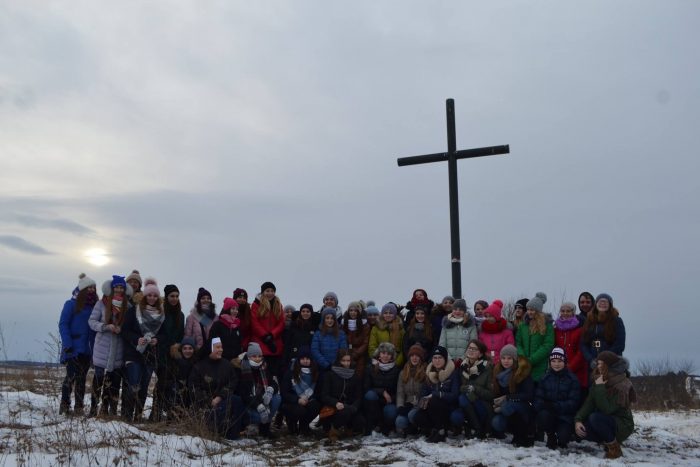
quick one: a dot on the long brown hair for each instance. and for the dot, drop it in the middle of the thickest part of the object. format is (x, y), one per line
(107, 302)
(324, 329)
(394, 328)
(608, 323)
(521, 370)
(159, 304)
(80, 301)
(427, 329)
(418, 372)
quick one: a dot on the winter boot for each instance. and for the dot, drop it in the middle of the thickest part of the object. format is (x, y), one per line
(614, 450)
(265, 431)
(552, 441)
(474, 423)
(436, 436)
(64, 409)
(333, 435)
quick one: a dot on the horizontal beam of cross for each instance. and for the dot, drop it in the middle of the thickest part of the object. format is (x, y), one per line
(444, 156)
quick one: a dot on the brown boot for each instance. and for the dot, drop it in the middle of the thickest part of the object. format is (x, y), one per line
(333, 435)
(614, 450)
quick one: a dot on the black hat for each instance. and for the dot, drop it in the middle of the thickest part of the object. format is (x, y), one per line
(439, 350)
(169, 289)
(267, 285)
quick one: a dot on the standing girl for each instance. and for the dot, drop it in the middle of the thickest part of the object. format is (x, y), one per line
(603, 330)
(201, 318)
(458, 329)
(76, 345)
(267, 326)
(388, 329)
(494, 331)
(419, 330)
(535, 338)
(357, 333)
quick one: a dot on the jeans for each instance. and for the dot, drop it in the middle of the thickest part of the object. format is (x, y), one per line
(105, 391)
(138, 376)
(76, 373)
(403, 421)
(508, 409)
(389, 411)
(275, 403)
(226, 418)
(600, 428)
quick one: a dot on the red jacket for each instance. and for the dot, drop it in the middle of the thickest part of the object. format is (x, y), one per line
(496, 336)
(262, 326)
(570, 341)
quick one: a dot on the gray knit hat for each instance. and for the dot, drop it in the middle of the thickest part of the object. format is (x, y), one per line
(254, 349)
(460, 304)
(509, 350)
(537, 303)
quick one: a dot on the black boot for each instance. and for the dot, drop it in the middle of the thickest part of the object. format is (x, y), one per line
(474, 422)
(266, 432)
(436, 436)
(552, 440)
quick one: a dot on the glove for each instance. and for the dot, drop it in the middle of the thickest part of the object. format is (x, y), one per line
(267, 397)
(470, 389)
(268, 339)
(497, 402)
(264, 413)
(403, 410)
(308, 393)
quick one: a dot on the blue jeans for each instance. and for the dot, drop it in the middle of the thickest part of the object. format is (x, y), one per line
(388, 412)
(138, 376)
(600, 428)
(275, 403)
(457, 417)
(403, 421)
(508, 409)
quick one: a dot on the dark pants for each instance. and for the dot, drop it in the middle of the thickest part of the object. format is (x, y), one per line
(435, 416)
(514, 417)
(301, 414)
(349, 418)
(76, 373)
(138, 376)
(555, 426)
(226, 418)
(600, 428)
(163, 393)
(105, 391)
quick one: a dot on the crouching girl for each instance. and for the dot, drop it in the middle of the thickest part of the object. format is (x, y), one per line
(213, 384)
(380, 387)
(341, 398)
(476, 394)
(259, 391)
(300, 403)
(409, 389)
(439, 396)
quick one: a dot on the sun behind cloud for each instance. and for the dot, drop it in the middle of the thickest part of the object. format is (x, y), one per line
(97, 257)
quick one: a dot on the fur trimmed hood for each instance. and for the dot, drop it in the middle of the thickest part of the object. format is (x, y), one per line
(441, 375)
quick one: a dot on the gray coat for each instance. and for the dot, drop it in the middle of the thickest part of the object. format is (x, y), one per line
(108, 351)
(409, 392)
(455, 337)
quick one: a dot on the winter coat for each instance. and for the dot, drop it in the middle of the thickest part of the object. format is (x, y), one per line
(287, 391)
(408, 392)
(75, 332)
(496, 336)
(325, 346)
(358, 343)
(378, 380)
(211, 378)
(174, 331)
(536, 348)
(299, 335)
(570, 341)
(230, 339)
(436, 316)
(261, 326)
(108, 350)
(131, 332)
(599, 400)
(560, 392)
(337, 389)
(417, 336)
(383, 333)
(597, 334)
(253, 383)
(411, 310)
(480, 380)
(455, 336)
(443, 385)
(524, 390)
(195, 330)
(181, 374)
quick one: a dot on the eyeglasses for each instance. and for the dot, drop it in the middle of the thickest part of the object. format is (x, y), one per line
(519, 306)
(475, 349)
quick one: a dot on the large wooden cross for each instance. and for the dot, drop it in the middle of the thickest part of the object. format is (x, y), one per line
(451, 157)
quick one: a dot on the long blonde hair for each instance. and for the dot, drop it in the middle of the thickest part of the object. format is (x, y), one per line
(266, 307)
(538, 324)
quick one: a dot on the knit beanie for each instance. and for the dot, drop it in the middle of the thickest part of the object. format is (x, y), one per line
(556, 354)
(151, 287)
(267, 285)
(391, 308)
(170, 288)
(229, 303)
(439, 350)
(327, 311)
(606, 297)
(372, 310)
(187, 341)
(537, 303)
(240, 293)
(84, 282)
(448, 298)
(308, 306)
(417, 349)
(118, 281)
(509, 350)
(331, 295)
(254, 350)
(494, 309)
(387, 347)
(460, 304)
(289, 309)
(522, 302)
(134, 275)
(202, 292)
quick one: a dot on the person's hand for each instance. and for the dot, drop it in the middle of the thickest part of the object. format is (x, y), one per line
(267, 397)
(142, 341)
(387, 397)
(580, 430)
(498, 401)
(154, 341)
(216, 401)
(303, 401)
(599, 380)
(339, 405)
(116, 329)
(470, 389)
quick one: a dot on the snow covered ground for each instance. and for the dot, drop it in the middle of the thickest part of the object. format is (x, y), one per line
(32, 433)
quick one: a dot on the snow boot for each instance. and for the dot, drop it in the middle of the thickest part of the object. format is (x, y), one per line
(552, 441)
(614, 450)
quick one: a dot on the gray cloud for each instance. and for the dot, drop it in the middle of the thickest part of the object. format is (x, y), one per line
(20, 244)
(65, 225)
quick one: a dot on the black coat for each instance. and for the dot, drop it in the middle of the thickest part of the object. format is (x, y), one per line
(131, 332)
(253, 383)
(559, 392)
(297, 335)
(212, 378)
(336, 389)
(379, 381)
(231, 339)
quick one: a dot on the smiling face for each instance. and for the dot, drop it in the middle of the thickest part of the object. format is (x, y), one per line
(305, 313)
(385, 357)
(305, 362)
(566, 312)
(205, 300)
(420, 296)
(506, 361)
(557, 364)
(458, 313)
(585, 304)
(174, 298)
(241, 299)
(438, 362)
(447, 305)
(388, 316)
(329, 302)
(329, 320)
(217, 351)
(479, 310)
(346, 361)
(269, 293)
(187, 351)
(353, 313)
(473, 352)
(152, 299)
(519, 310)
(372, 319)
(420, 315)
(255, 358)
(531, 312)
(414, 359)
(118, 290)
(135, 285)
(603, 305)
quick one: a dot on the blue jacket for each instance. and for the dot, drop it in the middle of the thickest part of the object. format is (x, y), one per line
(324, 348)
(76, 335)
(560, 393)
(446, 389)
(597, 334)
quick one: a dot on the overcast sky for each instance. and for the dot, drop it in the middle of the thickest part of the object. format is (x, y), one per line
(223, 144)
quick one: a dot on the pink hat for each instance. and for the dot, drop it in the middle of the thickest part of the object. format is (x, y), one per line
(151, 287)
(229, 303)
(494, 309)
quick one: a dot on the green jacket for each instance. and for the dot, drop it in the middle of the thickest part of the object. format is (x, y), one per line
(536, 348)
(599, 400)
(377, 336)
(481, 383)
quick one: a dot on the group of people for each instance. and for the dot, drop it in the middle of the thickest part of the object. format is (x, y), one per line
(420, 369)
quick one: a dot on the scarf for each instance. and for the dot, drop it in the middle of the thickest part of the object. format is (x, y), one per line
(454, 320)
(255, 364)
(91, 299)
(229, 321)
(567, 324)
(386, 366)
(306, 370)
(352, 324)
(344, 373)
(441, 376)
(419, 326)
(149, 323)
(621, 386)
(494, 328)
(204, 319)
(305, 385)
(473, 371)
(504, 377)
